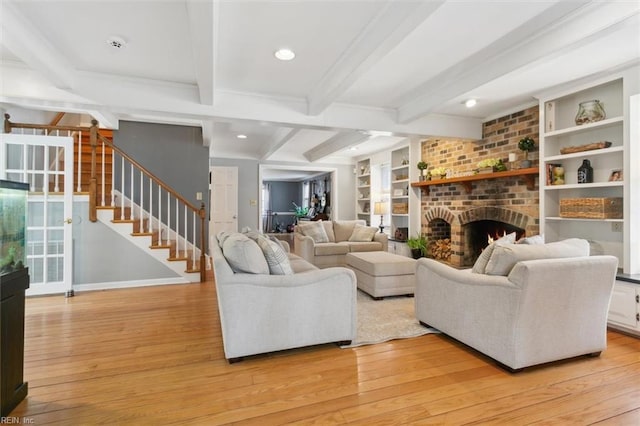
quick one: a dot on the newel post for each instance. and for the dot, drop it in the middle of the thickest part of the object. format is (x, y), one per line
(93, 181)
(7, 123)
(203, 239)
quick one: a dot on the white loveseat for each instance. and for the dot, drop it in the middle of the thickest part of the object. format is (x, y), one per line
(262, 312)
(542, 310)
(338, 238)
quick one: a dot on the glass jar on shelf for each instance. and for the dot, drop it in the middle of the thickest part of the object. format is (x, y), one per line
(590, 112)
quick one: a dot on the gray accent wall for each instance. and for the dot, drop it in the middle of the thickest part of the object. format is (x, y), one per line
(102, 255)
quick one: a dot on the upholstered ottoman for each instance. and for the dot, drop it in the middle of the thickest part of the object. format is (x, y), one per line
(381, 274)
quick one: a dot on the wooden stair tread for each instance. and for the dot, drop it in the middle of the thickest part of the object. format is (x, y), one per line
(142, 234)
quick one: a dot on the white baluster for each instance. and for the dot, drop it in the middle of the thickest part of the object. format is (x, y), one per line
(131, 193)
(150, 204)
(56, 176)
(193, 250)
(79, 189)
(141, 205)
(103, 177)
(122, 190)
(45, 171)
(185, 230)
(159, 212)
(177, 228)
(113, 178)
(168, 213)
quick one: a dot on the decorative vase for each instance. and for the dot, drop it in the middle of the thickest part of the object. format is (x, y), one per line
(585, 172)
(590, 112)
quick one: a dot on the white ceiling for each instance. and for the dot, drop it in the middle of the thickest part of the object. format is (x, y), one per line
(403, 67)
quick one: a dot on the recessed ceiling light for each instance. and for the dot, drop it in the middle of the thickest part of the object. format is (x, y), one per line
(241, 136)
(353, 148)
(284, 54)
(116, 42)
(470, 103)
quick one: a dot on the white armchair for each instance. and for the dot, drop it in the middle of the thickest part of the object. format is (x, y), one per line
(544, 310)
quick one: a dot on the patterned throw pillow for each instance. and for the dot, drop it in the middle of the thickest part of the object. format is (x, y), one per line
(314, 230)
(275, 256)
(362, 233)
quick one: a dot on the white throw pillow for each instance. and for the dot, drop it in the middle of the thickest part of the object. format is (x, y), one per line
(504, 258)
(362, 234)
(275, 256)
(534, 239)
(314, 230)
(244, 255)
(482, 260)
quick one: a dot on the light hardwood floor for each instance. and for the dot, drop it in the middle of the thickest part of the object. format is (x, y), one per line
(154, 356)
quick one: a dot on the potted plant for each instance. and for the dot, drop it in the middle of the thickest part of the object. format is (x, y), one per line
(418, 246)
(422, 166)
(526, 144)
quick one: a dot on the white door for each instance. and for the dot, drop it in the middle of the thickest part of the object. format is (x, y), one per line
(224, 199)
(46, 164)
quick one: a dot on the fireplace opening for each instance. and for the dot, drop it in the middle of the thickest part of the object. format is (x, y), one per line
(481, 233)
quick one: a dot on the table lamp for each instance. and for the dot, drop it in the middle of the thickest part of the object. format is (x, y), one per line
(380, 207)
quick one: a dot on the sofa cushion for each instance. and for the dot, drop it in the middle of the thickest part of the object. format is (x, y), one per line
(331, 248)
(328, 228)
(299, 264)
(504, 257)
(244, 254)
(362, 247)
(481, 263)
(362, 233)
(344, 228)
(534, 239)
(276, 257)
(315, 230)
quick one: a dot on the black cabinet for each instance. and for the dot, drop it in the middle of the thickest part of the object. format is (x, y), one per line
(13, 389)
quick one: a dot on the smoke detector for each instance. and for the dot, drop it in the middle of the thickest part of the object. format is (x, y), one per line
(116, 42)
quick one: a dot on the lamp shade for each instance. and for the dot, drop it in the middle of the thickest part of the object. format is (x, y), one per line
(380, 207)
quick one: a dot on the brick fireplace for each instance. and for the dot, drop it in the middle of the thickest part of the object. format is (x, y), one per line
(449, 211)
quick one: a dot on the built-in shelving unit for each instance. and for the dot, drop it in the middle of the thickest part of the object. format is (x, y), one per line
(363, 190)
(558, 130)
(400, 182)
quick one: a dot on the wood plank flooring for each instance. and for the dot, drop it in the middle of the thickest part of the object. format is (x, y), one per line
(153, 356)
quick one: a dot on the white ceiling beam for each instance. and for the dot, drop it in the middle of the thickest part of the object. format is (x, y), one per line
(334, 144)
(281, 137)
(384, 32)
(203, 25)
(528, 42)
(26, 42)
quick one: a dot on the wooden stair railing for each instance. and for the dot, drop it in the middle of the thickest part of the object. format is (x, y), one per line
(99, 186)
(158, 196)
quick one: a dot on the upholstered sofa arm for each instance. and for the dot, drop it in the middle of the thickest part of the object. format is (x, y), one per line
(304, 246)
(382, 239)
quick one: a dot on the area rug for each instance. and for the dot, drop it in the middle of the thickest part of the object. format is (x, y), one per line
(387, 319)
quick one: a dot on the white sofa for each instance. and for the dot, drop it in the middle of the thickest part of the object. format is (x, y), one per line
(340, 240)
(543, 310)
(261, 312)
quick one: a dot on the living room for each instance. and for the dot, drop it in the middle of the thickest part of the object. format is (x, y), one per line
(369, 79)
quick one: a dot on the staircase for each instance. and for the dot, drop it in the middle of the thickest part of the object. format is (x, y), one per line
(160, 221)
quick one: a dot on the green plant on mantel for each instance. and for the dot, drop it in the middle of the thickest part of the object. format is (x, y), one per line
(422, 165)
(526, 144)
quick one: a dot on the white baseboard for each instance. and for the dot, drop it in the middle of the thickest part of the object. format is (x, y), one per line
(129, 284)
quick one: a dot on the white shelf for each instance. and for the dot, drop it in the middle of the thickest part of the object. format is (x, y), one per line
(586, 127)
(584, 185)
(400, 197)
(405, 166)
(401, 181)
(400, 214)
(578, 219)
(582, 154)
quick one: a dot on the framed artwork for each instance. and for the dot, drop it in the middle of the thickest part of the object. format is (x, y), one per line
(616, 175)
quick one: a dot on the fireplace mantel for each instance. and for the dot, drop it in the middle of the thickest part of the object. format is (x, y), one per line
(528, 175)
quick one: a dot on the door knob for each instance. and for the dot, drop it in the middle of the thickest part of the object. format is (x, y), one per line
(68, 220)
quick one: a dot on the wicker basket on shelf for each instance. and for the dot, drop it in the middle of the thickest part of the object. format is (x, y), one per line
(591, 208)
